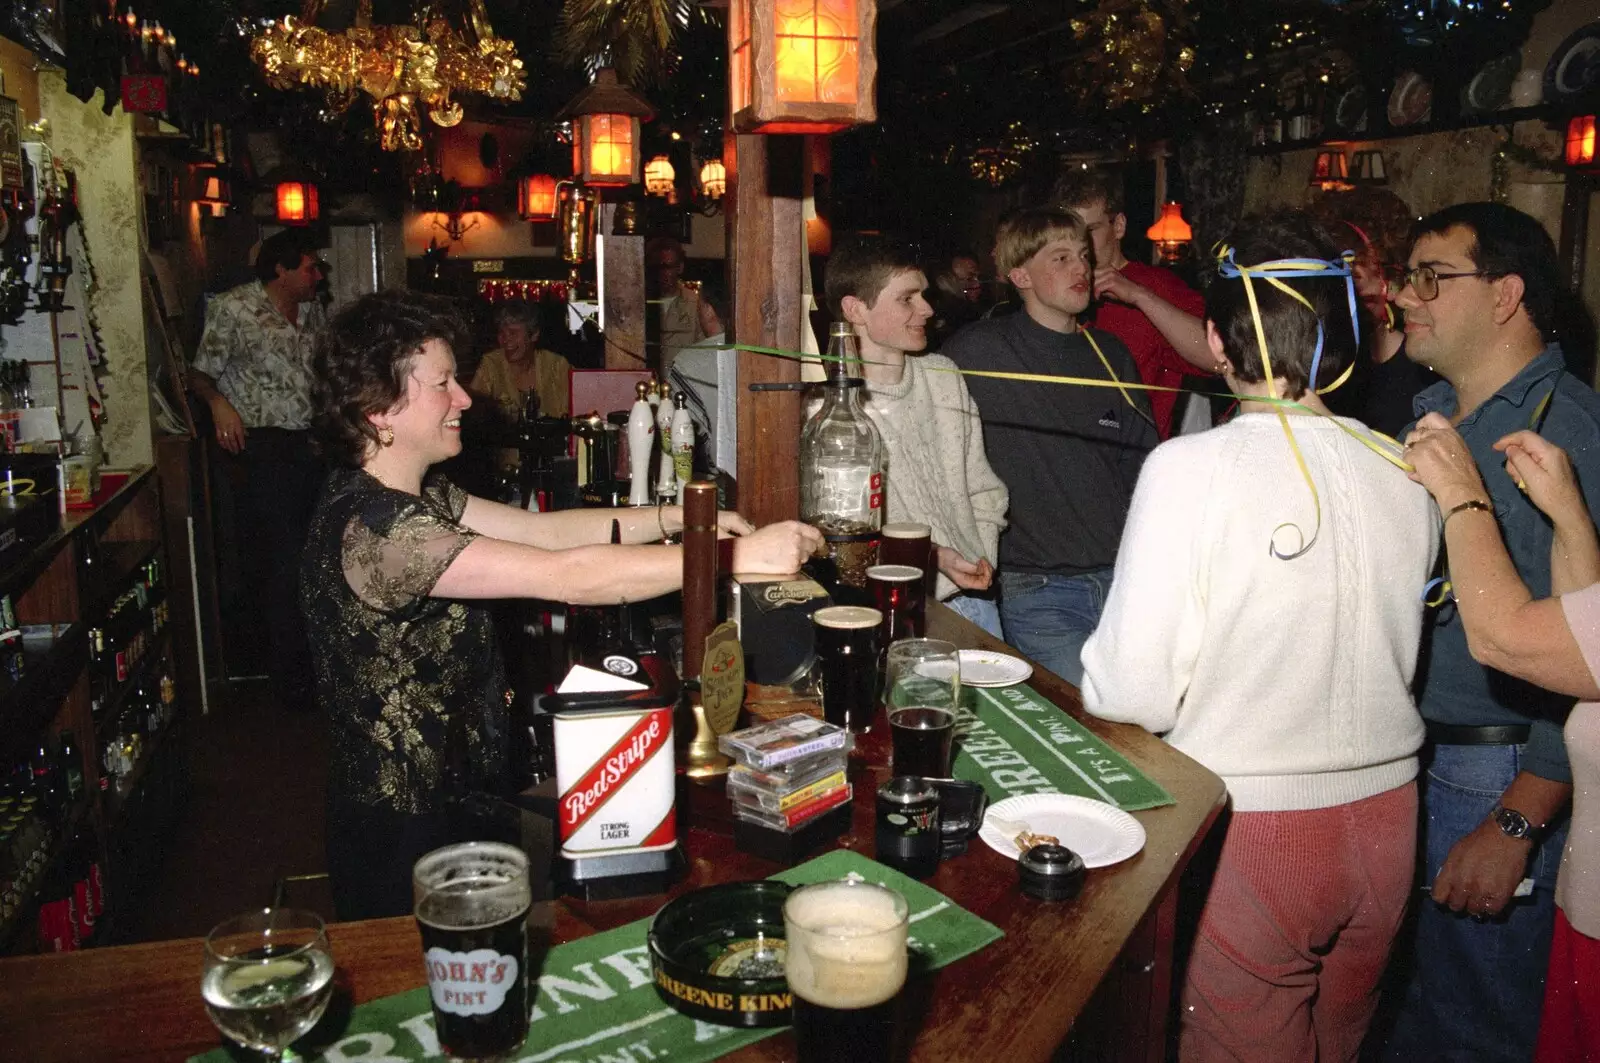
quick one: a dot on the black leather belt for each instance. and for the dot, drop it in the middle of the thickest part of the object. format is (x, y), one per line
(1456, 734)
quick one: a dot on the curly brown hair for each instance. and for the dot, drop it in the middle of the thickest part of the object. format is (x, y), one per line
(362, 361)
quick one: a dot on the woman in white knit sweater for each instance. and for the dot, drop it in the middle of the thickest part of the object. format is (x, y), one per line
(938, 473)
(1284, 670)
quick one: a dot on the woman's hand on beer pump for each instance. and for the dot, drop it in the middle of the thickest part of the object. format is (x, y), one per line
(777, 549)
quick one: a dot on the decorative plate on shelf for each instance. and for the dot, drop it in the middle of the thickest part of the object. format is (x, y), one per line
(1490, 87)
(1350, 113)
(1411, 100)
(1574, 67)
(1100, 833)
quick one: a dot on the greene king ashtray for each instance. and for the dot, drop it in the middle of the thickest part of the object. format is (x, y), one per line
(717, 954)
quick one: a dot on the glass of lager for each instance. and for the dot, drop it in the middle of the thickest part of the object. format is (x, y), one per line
(922, 672)
(846, 962)
(848, 642)
(472, 903)
(268, 976)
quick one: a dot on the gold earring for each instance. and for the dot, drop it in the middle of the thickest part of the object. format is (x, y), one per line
(385, 436)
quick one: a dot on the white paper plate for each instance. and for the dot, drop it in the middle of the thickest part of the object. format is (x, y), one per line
(1096, 831)
(985, 668)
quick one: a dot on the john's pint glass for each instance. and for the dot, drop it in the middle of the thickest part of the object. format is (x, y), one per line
(472, 904)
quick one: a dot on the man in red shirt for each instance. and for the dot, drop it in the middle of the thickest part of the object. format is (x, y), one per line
(1159, 318)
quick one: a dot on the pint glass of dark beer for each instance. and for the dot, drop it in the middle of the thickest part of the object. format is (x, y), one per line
(846, 962)
(905, 543)
(848, 642)
(899, 594)
(472, 904)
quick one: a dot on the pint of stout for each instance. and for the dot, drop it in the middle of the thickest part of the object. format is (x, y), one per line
(899, 594)
(848, 642)
(846, 962)
(472, 904)
(905, 543)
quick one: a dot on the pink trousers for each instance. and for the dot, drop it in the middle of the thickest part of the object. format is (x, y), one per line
(1296, 931)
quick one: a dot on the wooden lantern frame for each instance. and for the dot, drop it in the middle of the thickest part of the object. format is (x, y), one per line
(605, 120)
(1579, 145)
(296, 202)
(536, 197)
(769, 65)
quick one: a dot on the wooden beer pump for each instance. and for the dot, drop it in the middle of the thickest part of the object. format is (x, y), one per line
(700, 759)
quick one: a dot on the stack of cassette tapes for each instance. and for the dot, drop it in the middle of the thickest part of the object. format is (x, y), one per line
(788, 771)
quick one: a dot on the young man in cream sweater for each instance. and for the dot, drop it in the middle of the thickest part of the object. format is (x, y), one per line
(938, 474)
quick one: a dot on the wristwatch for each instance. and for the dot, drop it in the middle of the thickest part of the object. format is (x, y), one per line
(1512, 824)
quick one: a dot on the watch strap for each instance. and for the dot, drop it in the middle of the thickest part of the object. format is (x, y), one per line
(1513, 824)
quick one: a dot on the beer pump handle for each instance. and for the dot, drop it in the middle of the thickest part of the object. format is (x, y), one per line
(699, 573)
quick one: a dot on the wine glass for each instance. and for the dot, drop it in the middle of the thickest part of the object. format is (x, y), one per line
(268, 977)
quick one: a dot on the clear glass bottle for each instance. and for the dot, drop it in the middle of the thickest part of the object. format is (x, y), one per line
(842, 460)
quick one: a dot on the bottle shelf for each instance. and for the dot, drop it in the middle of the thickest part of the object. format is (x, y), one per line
(13, 929)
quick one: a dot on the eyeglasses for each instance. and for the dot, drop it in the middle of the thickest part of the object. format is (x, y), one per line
(1424, 280)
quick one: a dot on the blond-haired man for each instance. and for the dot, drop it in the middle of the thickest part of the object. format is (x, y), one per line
(1069, 454)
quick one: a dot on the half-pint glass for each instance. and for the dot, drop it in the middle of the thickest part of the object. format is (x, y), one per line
(848, 645)
(899, 594)
(922, 672)
(846, 962)
(472, 903)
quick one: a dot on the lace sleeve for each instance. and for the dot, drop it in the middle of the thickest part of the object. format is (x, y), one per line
(392, 569)
(444, 494)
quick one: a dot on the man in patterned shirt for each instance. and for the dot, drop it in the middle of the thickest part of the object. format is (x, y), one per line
(253, 369)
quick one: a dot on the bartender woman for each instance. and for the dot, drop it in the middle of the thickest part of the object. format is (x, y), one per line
(396, 566)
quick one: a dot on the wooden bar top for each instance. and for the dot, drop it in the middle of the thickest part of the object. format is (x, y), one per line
(1015, 1000)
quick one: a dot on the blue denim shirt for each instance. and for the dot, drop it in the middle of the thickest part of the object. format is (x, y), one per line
(1454, 687)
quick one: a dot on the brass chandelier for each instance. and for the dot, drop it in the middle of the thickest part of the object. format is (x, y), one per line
(403, 68)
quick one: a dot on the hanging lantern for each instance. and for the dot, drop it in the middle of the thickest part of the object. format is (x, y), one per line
(536, 197)
(802, 66)
(713, 179)
(1368, 168)
(297, 202)
(215, 196)
(660, 178)
(605, 132)
(1580, 141)
(1170, 232)
(1330, 170)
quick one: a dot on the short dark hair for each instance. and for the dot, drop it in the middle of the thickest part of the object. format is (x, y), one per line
(1078, 188)
(283, 248)
(1290, 328)
(863, 266)
(362, 360)
(519, 313)
(1507, 241)
(657, 244)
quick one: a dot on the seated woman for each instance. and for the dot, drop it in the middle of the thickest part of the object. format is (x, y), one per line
(396, 566)
(1555, 643)
(1282, 662)
(519, 366)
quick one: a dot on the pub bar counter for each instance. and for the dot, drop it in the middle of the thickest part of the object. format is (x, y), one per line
(1098, 969)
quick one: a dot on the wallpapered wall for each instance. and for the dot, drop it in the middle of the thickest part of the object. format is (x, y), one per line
(101, 150)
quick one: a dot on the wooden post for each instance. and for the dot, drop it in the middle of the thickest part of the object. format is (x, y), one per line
(622, 295)
(766, 245)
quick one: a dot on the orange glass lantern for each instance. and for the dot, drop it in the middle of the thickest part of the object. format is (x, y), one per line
(297, 202)
(802, 66)
(215, 196)
(713, 179)
(1580, 141)
(1331, 170)
(536, 197)
(605, 132)
(1170, 232)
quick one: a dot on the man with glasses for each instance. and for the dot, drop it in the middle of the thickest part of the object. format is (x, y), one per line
(1479, 296)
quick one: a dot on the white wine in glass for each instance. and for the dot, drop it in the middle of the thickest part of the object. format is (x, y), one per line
(268, 977)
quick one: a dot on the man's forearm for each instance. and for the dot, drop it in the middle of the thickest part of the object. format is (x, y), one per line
(1183, 330)
(1538, 798)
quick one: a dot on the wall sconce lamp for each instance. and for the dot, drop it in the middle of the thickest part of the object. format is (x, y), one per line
(660, 179)
(1580, 154)
(215, 195)
(1331, 170)
(1170, 232)
(454, 225)
(1368, 168)
(713, 186)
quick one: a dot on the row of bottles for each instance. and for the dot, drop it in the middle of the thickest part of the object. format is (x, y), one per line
(129, 629)
(146, 712)
(35, 800)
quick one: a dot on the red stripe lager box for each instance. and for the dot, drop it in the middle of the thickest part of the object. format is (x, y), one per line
(615, 769)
